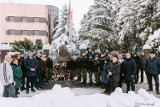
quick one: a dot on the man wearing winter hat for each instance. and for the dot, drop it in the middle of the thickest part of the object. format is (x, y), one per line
(152, 69)
(6, 77)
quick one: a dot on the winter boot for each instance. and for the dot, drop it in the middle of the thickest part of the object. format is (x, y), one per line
(79, 79)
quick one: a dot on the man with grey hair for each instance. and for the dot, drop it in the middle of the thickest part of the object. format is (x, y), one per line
(129, 67)
(6, 77)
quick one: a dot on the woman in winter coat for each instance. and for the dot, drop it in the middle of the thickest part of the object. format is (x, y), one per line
(114, 73)
(17, 73)
(104, 75)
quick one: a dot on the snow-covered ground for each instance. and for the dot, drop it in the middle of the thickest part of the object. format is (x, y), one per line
(81, 97)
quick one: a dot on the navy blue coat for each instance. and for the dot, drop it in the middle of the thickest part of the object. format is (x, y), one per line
(153, 66)
(129, 68)
(104, 73)
(31, 63)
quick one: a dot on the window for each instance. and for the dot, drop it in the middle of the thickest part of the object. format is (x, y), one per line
(35, 32)
(24, 19)
(12, 32)
(35, 19)
(12, 18)
(24, 32)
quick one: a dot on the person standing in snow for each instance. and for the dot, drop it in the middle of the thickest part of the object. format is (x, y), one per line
(78, 60)
(114, 73)
(72, 67)
(90, 68)
(83, 62)
(138, 62)
(21, 63)
(17, 73)
(6, 77)
(104, 76)
(96, 70)
(129, 67)
(142, 65)
(31, 65)
(39, 79)
(121, 60)
(44, 68)
(49, 63)
(152, 69)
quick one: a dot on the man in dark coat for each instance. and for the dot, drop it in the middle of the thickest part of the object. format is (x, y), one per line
(31, 65)
(96, 70)
(138, 62)
(49, 66)
(129, 67)
(78, 68)
(72, 67)
(90, 68)
(142, 65)
(39, 79)
(83, 62)
(21, 63)
(121, 60)
(152, 69)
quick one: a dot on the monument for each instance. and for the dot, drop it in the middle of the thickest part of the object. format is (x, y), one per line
(63, 54)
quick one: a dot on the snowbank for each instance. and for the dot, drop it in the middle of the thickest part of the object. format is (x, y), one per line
(63, 97)
(5, 47)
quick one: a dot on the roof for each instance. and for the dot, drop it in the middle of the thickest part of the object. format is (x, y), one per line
(5, 47)
(146, 46)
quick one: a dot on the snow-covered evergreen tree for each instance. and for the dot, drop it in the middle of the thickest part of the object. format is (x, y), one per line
(86, 23)
(125, 21)
(135, 21)
(61, 36)
(97, 23)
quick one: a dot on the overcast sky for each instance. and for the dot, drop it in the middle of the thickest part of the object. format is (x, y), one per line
(79, 7)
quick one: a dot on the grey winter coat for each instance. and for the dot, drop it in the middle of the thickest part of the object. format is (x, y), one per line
(115, 70)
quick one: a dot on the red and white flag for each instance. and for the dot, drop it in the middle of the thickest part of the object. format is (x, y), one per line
(70, 23)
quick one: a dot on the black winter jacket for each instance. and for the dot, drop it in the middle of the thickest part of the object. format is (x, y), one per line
(153, 66)
(129, 68)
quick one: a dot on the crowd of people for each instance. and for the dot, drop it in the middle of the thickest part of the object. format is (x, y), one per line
(111, 70)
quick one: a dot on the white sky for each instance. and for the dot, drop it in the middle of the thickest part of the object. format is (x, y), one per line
(79, 7)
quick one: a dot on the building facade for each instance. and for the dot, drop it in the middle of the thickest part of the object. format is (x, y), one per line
(31, 21)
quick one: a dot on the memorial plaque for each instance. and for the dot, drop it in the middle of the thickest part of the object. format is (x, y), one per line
(64, 54)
